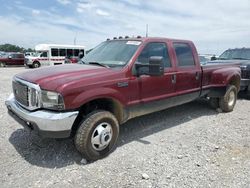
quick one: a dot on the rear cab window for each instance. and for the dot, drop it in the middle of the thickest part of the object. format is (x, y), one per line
(184, 54)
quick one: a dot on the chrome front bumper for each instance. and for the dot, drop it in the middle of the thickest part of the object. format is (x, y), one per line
(45, 123)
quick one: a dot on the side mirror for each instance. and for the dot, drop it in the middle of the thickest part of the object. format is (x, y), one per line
(155, 67)
(9, 57)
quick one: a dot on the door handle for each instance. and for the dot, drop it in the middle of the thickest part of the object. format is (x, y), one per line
(197, 75)
(173, 78)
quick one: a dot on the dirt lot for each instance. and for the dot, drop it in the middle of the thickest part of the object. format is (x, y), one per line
(186, 146)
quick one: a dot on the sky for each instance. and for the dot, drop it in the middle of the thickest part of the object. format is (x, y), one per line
(212, 25)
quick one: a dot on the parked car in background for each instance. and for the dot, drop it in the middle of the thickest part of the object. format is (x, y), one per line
(12, 59)
(118, 80)
(74, 59)
(53, 54)
(240, 56)
(204, 58)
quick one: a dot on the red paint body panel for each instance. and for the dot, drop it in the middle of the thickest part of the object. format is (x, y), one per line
(218, 75)
(82, 83)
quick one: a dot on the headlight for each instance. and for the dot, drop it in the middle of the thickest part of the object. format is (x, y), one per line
(52, 100)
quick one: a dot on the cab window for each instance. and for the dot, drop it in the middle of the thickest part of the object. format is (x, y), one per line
(44, 54)
(13, 55)
(184, 54)
(155, 49)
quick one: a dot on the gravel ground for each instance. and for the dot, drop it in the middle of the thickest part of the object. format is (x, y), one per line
(185, 146)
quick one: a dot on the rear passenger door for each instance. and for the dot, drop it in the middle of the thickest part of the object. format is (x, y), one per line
(188, 75)
(14, 59)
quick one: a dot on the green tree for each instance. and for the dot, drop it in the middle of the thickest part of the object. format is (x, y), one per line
(14, 48)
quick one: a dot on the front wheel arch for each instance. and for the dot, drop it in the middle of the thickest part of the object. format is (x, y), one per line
(235, 80)
(108, 104)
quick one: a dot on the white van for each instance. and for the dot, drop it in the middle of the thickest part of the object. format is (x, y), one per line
(53, 54)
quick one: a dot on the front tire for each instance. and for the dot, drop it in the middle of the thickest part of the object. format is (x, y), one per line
(228, 101)
(36, 64)
(97, 135)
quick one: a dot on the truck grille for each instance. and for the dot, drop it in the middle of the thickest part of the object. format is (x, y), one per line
(245, 74)
(26, 94)
(26, 60)
(21, 93)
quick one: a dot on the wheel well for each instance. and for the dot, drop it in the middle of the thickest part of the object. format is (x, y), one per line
(36, 62)
(111, 105)
(236, 82)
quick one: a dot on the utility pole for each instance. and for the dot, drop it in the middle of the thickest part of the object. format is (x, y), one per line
(146, 30)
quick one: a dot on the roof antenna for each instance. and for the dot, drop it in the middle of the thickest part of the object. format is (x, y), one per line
(146, 30)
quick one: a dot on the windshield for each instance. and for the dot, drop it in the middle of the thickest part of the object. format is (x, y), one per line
(39, 54)
(236, 54)
(6, 55)
(112, 53)
(36, 54)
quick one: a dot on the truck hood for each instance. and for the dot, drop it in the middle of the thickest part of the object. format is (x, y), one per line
(51, 78)
(31, 57)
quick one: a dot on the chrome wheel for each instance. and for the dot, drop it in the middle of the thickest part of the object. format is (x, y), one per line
(231, 98)
(36, 65)
(101, 136)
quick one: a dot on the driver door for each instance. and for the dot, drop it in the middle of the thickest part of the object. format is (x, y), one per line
(156, 88)
(44, 59)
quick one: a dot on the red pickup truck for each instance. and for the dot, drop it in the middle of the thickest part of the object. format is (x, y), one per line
(12, 59)
(118, 80)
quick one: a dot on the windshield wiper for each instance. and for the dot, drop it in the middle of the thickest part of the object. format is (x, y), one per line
(97, 63)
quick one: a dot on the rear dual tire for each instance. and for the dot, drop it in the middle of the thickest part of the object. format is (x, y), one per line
(227, 102)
